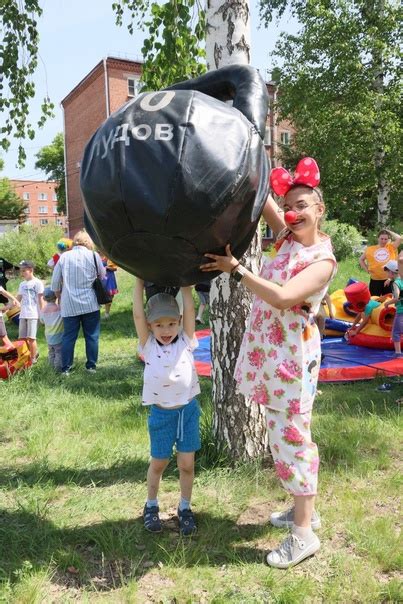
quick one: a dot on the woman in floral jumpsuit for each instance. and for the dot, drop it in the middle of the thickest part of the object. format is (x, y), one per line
(279, 360)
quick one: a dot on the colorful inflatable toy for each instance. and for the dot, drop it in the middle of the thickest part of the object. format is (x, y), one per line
(15, 360)
(178, 172)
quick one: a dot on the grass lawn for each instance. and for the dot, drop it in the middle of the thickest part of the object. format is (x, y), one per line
(74, 455)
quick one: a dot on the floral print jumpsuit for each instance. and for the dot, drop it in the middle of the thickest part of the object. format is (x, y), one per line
(278, 366)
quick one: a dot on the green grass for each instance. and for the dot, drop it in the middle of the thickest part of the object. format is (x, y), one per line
(74, 457)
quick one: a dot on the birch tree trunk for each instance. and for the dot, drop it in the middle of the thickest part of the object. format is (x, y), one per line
(238, 424)
(383, 197)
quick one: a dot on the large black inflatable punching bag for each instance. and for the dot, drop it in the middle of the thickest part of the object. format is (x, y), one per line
(176, 173)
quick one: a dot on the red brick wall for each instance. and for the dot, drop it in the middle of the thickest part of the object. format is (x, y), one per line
(84, 111)
(35, 190)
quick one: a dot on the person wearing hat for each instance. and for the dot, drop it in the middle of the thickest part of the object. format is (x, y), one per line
(397, 289)
(4, 339)
(391, 269)
(360, 301)
(64, 245)
(375, 257)
(29, 295)
(169, 390)
(52, 320)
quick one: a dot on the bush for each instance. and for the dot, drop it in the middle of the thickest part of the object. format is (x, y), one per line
(31, 243)
(346, 239)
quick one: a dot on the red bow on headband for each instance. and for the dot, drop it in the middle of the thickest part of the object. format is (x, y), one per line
(306, 173)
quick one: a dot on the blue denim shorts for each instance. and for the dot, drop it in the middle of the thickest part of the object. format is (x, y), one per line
(169, 427)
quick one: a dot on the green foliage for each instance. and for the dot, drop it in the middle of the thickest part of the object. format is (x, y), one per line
(172, 50)
(340, 88)
(19, 55)
(31, 243)
(50, 159)
(11, 206)
(346, 239)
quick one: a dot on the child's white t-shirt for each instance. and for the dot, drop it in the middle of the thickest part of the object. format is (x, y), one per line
(170, 377)
(29, 291)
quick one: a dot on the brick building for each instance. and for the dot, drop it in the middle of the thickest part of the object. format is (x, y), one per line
(107, 87)
(41, 199)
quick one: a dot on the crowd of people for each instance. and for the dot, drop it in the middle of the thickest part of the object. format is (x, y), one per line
(278, 362)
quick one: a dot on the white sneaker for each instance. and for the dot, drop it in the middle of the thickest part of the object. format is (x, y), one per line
(90, 370)
(292, 551)
(286, 519)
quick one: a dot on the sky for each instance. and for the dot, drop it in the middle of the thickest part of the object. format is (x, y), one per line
(74, 36)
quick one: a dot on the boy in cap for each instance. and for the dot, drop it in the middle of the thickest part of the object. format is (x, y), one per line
(170, 387)
(397, 290)
(51, 318)
(30, 296)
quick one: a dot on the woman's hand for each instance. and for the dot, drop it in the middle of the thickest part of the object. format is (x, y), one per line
(221, 263)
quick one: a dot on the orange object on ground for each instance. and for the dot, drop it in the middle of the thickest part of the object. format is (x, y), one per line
(14, 360)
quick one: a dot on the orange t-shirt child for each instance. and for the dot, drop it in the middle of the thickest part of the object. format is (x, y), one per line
(376, 257)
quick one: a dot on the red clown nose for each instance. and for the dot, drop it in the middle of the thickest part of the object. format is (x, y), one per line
(291, 217)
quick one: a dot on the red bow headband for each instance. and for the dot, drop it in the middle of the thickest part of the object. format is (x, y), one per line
(306, 173)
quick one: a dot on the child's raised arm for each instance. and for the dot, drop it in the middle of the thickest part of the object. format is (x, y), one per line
(189, 316)
(9, 296)
(139, 316)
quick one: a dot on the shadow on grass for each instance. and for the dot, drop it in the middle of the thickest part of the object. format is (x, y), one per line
(107, 554)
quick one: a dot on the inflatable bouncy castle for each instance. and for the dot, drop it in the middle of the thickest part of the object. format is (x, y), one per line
(14, 360)
(376, 334)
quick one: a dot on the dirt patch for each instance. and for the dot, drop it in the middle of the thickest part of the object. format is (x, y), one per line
(151, 586)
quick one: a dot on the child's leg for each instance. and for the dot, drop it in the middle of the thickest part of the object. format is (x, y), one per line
(33, 348)
(155, 471)
(397, 330)
(51, 355)
(4, 339)
(200, 313)
(186, 466)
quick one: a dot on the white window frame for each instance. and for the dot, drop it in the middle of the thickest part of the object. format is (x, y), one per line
(42, 196)
(25, 196)
(133, 84)
(27, 210)
(59, 221)
(55, 210)
(54, 196)
(43, 210)
(285, 134)
(43, 221)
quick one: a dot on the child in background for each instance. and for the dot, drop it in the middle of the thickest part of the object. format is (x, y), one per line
(30, 296)
(51, 318)
(397, 291)
(359, 297)
(3, 331)
(170, 385)
(203, 293)
(110, 283)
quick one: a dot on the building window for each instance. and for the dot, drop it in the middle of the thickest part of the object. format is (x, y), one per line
(26, 210)
(133, 86)
(54, 196)
(59, 222)
(42, 196)
(55, 210)
(43, 221)
(27, 221)
(25, 196)
(285, 138)
(267, 135)
(43, 209)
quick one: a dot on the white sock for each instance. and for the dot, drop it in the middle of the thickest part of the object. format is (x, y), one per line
(303, 532)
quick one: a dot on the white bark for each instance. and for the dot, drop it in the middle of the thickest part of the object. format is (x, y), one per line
(228, 33)
(238, 424)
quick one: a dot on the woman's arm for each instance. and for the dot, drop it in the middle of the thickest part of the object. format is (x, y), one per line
(306, 283)
(9, 296)
(273, 215)
(363, 263)
(139, 316)
(397, 239)
(188, 312)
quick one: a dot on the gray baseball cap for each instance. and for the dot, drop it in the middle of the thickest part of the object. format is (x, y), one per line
(49, 295)
(162, 305)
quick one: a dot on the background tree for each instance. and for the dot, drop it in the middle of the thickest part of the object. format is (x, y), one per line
(340, 88)
(50, 159)
(18, 62)
(11, 206)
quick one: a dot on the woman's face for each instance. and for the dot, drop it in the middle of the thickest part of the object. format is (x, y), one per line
(308, 207)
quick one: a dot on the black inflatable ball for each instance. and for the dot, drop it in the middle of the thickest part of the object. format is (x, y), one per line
(176, 173)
